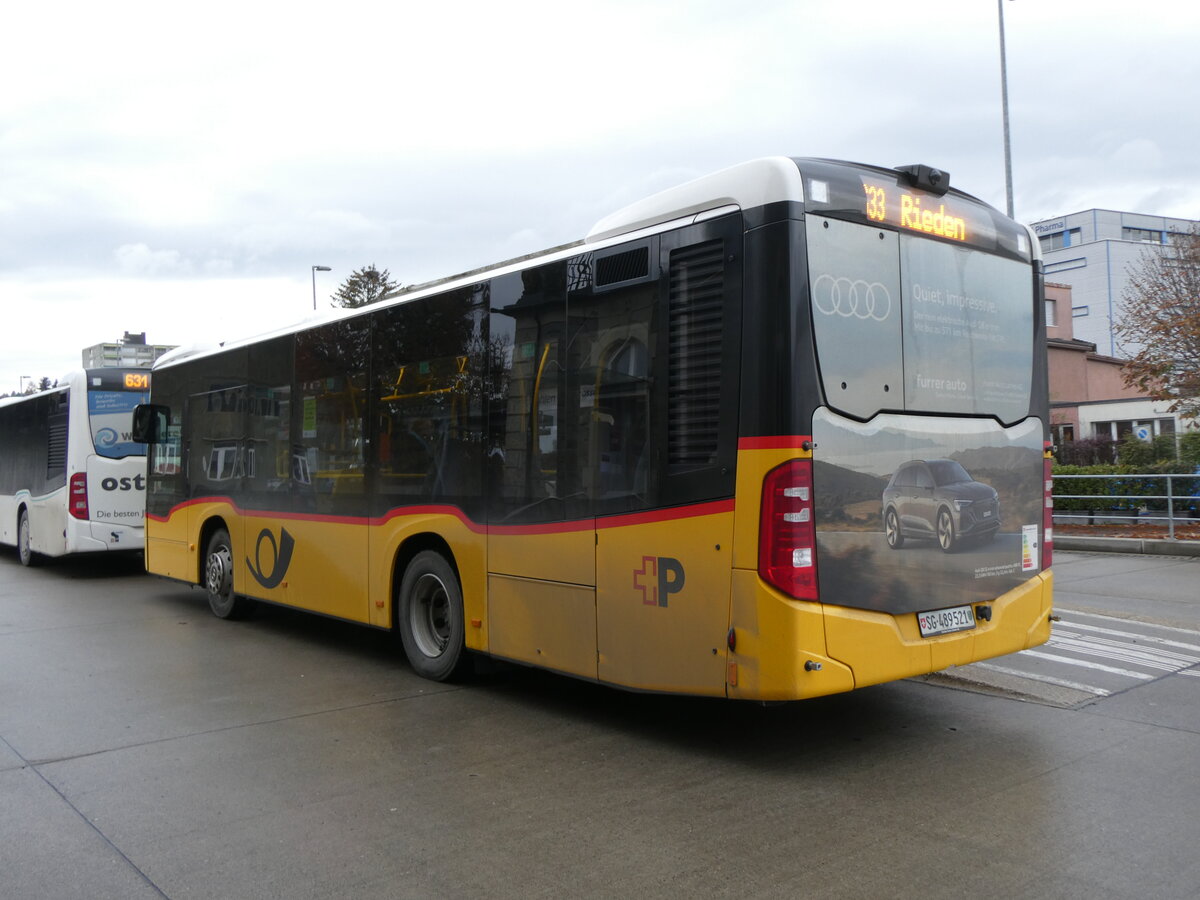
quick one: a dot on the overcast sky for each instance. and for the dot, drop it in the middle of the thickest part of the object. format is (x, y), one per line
(178, 170)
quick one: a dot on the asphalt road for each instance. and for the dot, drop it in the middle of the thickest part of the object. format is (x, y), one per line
(148, 749)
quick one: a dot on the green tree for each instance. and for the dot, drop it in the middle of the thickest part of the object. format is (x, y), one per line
(1161, 322)
(365, 285)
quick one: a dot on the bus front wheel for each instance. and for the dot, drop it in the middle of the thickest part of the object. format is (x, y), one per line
(430, 616)
(24, 549)
(218, 578)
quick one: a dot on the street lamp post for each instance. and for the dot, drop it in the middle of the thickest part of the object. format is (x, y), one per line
(315, 270)
(1008, 187)
(24, 378)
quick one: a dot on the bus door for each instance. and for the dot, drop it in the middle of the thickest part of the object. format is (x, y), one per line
(541, 534)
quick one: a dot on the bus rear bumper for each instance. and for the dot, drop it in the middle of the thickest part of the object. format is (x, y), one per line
(89, 537)
(786, 649)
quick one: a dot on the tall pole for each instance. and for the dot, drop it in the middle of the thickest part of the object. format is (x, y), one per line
(1008, 190)
(315, 270)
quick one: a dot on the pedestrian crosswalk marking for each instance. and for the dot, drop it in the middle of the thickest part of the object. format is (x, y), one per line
(1067, 660)
(1047, 679)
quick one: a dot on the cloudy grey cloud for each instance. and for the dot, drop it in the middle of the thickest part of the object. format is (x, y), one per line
(179, 171)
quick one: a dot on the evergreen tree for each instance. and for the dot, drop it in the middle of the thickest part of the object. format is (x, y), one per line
(365, 285)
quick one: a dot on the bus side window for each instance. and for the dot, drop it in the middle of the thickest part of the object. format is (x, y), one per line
(427, 399)
(528, 406)
(612, 308)
(331, 388)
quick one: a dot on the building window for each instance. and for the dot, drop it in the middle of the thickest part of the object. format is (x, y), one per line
(1142, 235)
(1118, 430)
(1058, 240)
(1051, 316)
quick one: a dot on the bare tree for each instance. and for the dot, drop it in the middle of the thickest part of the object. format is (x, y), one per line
(1161, 321)
(365, 285)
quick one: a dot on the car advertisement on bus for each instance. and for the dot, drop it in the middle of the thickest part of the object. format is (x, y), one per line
(914, 513)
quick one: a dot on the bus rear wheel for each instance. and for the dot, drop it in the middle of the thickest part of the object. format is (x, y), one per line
(218, 578)
(430, 616)
(24, 549)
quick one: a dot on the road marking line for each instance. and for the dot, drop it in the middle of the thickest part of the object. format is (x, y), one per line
(1105, 649)
(1141, 676)
(1088, 615)
(1049, 679)
(1137, 635)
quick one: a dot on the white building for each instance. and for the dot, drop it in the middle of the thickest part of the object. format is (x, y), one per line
(131, 351)
(1093, 252)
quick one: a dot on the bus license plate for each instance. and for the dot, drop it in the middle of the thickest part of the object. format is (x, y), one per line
(946, 621)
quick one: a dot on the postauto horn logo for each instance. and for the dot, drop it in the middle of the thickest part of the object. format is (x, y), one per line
(280, 557)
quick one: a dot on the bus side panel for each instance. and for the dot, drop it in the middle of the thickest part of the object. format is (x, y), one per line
(167, 549)
(47, 528)
(663, 600)
(880, 647)
(315, 563)
(544, 623)
(8, 519)
(542, 595)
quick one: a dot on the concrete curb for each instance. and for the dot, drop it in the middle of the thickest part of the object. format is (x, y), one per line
(1127, 545)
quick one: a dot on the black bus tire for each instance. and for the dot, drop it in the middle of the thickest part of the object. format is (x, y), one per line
(430, 616)
(24, 550)
(218, 578)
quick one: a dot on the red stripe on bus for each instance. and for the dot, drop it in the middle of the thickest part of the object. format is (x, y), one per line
(622, 520)
(775, 442)
(694, 511)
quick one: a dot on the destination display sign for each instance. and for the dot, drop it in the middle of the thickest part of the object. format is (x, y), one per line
(896, 201)
(940, 216)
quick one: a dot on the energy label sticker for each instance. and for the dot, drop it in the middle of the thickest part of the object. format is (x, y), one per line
(1029, 548)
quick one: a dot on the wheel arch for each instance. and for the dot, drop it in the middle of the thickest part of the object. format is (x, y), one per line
(211, 525)
(408, 549)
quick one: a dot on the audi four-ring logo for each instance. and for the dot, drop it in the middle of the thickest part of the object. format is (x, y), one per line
(845, 297)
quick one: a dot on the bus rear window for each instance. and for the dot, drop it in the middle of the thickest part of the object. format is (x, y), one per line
(909, 323)
(110, 414)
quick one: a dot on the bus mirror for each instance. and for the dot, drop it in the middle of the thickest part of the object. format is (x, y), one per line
(149, 423)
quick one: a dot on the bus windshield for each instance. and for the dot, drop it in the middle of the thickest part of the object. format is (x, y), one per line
(110, 414)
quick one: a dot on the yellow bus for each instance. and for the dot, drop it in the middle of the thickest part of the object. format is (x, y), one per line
(775, 433)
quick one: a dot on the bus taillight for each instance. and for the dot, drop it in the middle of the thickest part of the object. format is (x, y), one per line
(77, 500)
(1047, 512)
(787, 535)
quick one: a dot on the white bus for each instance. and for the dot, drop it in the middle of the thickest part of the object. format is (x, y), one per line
(72, 480)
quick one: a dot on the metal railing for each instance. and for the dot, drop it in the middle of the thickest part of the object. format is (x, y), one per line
(1119, 508)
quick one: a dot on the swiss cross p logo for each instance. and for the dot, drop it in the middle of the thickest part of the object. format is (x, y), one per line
(659, 577)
